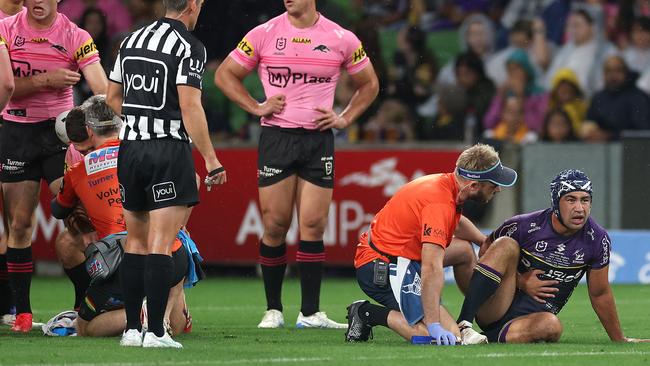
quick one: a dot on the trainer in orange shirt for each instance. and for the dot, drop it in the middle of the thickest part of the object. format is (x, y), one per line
(400, 260)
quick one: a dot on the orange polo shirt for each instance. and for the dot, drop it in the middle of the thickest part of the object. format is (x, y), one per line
(422, 211)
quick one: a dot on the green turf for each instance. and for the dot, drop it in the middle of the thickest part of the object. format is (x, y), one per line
(226, 311)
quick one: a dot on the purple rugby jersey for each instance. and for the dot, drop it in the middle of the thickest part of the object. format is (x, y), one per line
(562, 258)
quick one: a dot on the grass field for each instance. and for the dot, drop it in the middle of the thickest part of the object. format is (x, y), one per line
(226, 312)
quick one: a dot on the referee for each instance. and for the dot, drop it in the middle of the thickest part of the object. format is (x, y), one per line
(156, 86)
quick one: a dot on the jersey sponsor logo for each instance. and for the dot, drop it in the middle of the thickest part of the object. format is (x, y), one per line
(164, 191)
(280, 76)
(606, 246)
(246, 47)
(561, 248)
(268, 172)
(39, 40)
(196, 69)
(141, 88)
(427, 230)
(358, 55)
(87, 49)
(590, 232)
(2, 41)
(19, 41)
(508, 230)
(301, 40)
(534, 228)
(24, 69)
(280, 43)
(94, 267)
(109, 196)
(100, 160)
(100, 180)
(321, 48)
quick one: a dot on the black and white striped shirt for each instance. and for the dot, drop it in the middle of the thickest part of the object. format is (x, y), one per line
(151, 63)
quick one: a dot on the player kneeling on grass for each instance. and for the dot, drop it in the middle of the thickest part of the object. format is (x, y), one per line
(532, 264)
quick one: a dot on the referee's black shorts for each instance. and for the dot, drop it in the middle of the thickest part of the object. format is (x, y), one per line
(156, 173)
(283, 152)
(30, 152)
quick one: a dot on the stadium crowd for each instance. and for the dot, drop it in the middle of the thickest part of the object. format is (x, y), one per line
(519, 71)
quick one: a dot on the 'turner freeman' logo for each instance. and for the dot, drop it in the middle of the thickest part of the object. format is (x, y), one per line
(164, 191)
(138, 88)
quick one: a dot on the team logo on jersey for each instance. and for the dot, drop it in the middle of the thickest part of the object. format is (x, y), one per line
(19, 41)
(59, 48)
(102, 159)
(579, 256)
(280, 76)
(591, 234)
(246, 47)
(321, 48)
(87, 49)
(280, 43)
(358, 55)
(164, 191)
(540, 246)
(301, 40)
(149, 88)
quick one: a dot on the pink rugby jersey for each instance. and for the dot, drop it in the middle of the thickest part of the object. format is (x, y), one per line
(33, 51)
(72, 157)
(304, 64)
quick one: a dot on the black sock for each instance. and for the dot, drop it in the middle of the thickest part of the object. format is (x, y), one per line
(5, 291)
(80, 280)
(310, 258)
(484, 283)
(374, 314)
(20, 268)
(158, 276)
(273, 261)
(132, 283)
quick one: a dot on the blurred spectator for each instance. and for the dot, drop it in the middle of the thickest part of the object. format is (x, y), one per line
(567, 95)
(119, 20)
(414, 69)
(520, 83)
(93, 21)
(448, 123)
(388, 13)
(583, 53)
(637, 55)
(477, 35)
(620, 106)
(557, 127)
(553, 13)
(628, 11)
(391, 123)
(368, 33)
(512, 127)
(479, 90)
(526, 35)
(144, 12)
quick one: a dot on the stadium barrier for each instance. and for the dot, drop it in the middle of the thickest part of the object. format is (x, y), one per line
(227, 224)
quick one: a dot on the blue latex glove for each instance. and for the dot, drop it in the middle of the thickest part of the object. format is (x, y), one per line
(441, 335)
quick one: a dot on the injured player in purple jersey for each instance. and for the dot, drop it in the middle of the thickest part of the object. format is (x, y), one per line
(531, 264)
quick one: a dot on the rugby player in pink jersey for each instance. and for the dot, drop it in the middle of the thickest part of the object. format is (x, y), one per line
(7, 9)
(299, 56)
(47, 51)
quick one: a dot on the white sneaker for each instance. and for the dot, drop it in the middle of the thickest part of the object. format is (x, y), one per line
(272, 319)
(153, 341)
(469, 336)
(131, 338)
(318, 320)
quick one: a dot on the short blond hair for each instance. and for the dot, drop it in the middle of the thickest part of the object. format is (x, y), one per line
(478, 158)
